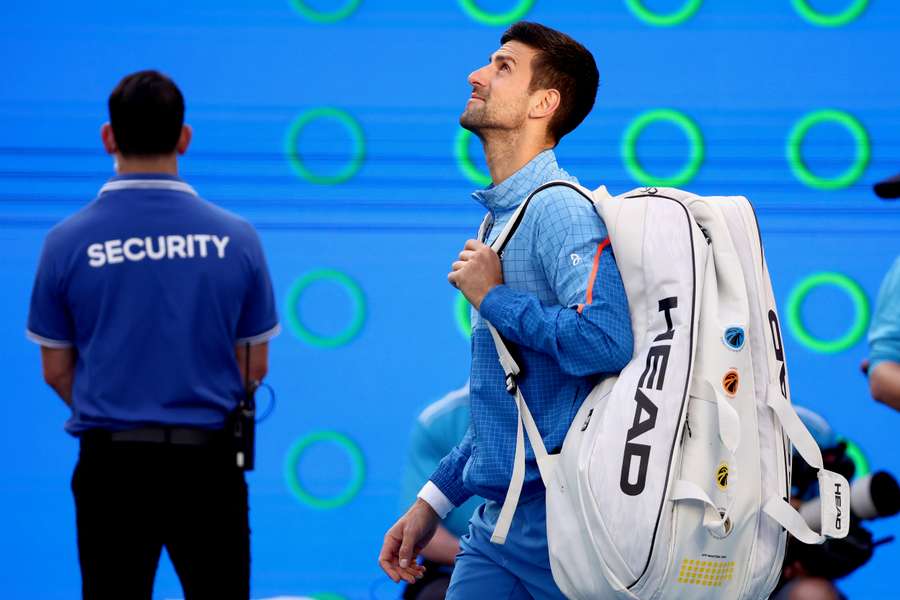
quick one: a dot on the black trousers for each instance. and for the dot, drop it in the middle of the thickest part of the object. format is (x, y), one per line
(134, 498)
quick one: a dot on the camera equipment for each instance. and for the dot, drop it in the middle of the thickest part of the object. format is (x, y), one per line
(889, 189)
(873, 496)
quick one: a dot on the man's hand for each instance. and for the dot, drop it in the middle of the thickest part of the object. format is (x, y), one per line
(476, 272)
(404, 541)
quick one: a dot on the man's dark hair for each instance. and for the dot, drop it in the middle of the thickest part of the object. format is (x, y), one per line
(562, 64)
(146, 111)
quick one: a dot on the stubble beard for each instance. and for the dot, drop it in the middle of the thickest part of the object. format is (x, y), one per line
(475, 118)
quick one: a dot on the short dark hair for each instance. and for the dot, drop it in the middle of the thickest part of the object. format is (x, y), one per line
(146, 111)
(562, 64)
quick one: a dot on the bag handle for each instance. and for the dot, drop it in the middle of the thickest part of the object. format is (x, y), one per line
(834, 490)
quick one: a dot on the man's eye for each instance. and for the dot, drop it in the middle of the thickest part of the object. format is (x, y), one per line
(505, 67)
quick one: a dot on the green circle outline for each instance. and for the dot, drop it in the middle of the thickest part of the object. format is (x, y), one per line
(848, 15)
(855, 454)
(860, 308)
(687, 126)
(350, 125)
(491, 19)
(687, 10)
(318, 16)
(862, 149)
(356, 296)
(464, 161)
(462, 311)
(357, 462)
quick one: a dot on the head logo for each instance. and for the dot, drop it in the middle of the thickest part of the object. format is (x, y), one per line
(731, 382)
(722, 476)
(734, 338)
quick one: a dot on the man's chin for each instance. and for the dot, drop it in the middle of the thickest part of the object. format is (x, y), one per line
(470, 122)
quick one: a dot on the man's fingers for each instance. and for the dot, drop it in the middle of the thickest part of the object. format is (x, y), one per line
(458, 265)
(388, 557)
(466, 255)
(412, 573)
(388, 568)
(473, 245)
(409, 546)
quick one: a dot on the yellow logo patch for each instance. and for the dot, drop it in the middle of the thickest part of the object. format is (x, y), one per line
(722, 476)
(708, 573)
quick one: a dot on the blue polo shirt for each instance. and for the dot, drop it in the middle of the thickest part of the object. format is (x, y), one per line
(153, 286)
(884, 332)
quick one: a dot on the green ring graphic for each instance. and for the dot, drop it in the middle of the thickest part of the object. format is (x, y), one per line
(356, 296)
(860, 308)
(462, 310)
(859, 459)
(350, 490)
(352, 127)
(464, 161)
(861, 157)
(687, 10)
(496, 19)
(690, 129)
(851, 13)
(319, 16)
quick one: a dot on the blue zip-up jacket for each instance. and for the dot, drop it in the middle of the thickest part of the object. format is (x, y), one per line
(567, 321)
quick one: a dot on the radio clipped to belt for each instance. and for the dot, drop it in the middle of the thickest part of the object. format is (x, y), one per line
(242, 421)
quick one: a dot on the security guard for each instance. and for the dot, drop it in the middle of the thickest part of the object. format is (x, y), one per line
(150, 305)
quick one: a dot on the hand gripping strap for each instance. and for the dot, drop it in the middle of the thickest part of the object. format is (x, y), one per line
(834, 491)
(524, 417)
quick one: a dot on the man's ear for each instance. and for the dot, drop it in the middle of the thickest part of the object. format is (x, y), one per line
(545, 103)
(108, 138)
(184, 140)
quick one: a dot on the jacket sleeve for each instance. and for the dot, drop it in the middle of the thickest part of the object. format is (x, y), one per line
(448, 477)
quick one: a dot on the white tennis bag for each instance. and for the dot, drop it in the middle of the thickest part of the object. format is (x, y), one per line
(674, 478)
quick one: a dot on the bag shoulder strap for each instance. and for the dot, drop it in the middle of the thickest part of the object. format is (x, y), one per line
(525, 421)
(499, 244)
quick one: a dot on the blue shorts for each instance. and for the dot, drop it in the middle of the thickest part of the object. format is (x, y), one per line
(518, 569)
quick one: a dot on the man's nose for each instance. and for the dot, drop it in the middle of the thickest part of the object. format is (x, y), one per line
(478, 77)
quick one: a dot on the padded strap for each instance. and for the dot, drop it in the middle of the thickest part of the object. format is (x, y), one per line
(510, 367)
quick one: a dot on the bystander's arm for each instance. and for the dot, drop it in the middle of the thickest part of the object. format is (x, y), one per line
(884, 383)
(259, 360)
(59, 370)
(443, 547)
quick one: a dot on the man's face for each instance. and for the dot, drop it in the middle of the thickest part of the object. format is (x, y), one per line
(500, 96)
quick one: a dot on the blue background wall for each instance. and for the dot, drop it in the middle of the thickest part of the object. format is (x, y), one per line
(744, 73)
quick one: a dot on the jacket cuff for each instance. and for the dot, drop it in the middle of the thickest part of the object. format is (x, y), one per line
(436, 499)
(496, 304)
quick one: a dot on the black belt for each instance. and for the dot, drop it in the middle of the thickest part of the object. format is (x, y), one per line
(180, 436)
